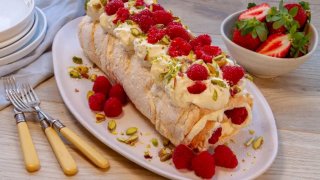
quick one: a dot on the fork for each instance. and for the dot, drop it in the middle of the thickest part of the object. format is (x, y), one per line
(31, 99)
(30, 155)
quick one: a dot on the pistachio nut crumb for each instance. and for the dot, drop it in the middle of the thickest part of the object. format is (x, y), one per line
(251, 131)
(112, 125)
(257, 143)
(249, 142)
(77, 60)
(131, 131)
(100, 118)
(154, 142)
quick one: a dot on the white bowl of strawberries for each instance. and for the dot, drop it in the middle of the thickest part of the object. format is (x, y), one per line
(270, 41)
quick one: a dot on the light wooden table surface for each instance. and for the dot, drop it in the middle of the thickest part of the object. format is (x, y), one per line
(294, 99)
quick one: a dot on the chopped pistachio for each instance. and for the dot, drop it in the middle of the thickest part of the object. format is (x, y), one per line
(249, 77)
(104, 2)
(154, 142)
(165, 142)
(220, 60)
(192, 55)
(114, 132)
(100, 117)
(165, 154)
(215, 95)
(257, 143)
(90, 93)
(219, 83)
(165, 40)
(121, 140)
(82, 69)
(74, 74)
(112, 125)
(249, 142)
(93, 77)
(130, 22)
(135, 31)
(251, 131)
(132, 130)
(132, 140)
(147, 155)
(77, 60)
(148, 146)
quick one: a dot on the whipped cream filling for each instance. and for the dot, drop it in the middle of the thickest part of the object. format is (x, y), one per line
(147, 51)
(94, 9)
(106, 22)
(123, 32)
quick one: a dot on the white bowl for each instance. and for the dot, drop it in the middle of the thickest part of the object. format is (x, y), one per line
(15, 15)
(258, 64)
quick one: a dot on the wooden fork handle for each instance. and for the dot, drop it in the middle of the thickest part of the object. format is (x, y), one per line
(30, 155)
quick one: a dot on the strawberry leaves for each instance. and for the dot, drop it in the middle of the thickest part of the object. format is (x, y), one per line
(299, 44)
(253, 26)
(251, 4)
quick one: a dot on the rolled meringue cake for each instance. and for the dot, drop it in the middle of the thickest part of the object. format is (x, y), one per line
(158, 66)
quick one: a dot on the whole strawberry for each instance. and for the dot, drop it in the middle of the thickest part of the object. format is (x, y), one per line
(250, 33)
(224, 157)
(300, 14)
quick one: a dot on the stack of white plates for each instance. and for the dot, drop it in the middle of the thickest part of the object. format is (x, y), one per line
(22, 28)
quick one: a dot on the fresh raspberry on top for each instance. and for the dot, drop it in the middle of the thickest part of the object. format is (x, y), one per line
(215, 136)
(139, 3)
(175, 31)
(182, 157)
(144, 19)
(197, 72)
(207, 52)
(179, 47)
(96, 101)
(102, 85)
(162, 17)
(117, 91)
(200, 41)
(224, 157)
(155, 34)
(203, 165)
(197, 88)
(112, 7)
(232, 74)
(112, 107)
(125, 1)
(122, 15)
(156, 7)
(174, 24)
(237, 115)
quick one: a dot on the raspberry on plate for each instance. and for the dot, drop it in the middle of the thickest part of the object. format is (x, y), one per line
(224, 157)
(232, 74)
(112, 6)
(96, 101)
(200, 41)
(117, 91)
(215, 136)
(122, 15)
(155, 34)
(112, 107)
(197, 88)
(162, 17)
(102, 85)
(144, 19)
(197, 72)
(237, 115)
(179, 47)
(174, 31)
(207, 52)
(203, 165)
(182, 157)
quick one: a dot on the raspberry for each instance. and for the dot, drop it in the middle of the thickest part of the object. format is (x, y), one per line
(203, 165)
(200, 41)
(224, 157)
(96, 101)
(113, 6)
(102, 85)
(237, 115)
(125, 1)
(197, 72)
(182, 157)
(179, 47)
(174, 24)
(112, 107)
(144, 19)
(232, 74)
(215, 136)
(139, 3)
(121, 15)
(156, 7)
(175, 31)
(207, 52)
(117, 91)
(197, 88)
(155, 34)
(162, 17)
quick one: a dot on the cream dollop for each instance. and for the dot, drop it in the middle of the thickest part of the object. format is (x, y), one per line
(94, 9)
(149, 51)
(106, 22)
(123, 32)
